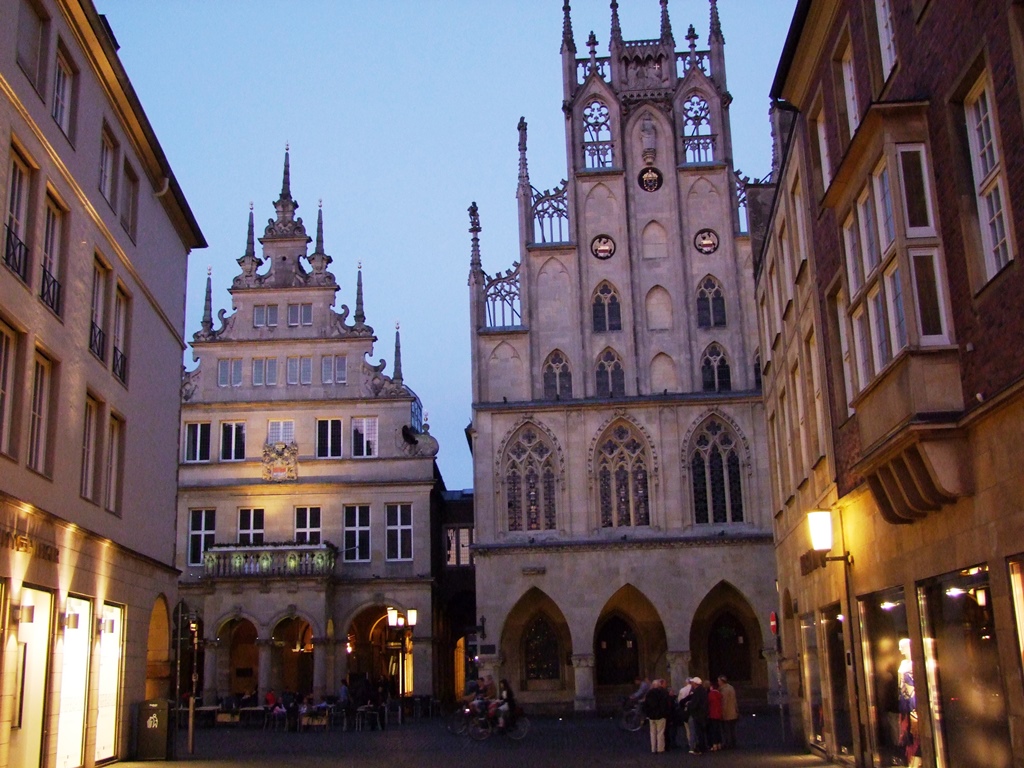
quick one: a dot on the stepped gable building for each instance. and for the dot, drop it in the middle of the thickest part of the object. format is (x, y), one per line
(890, 288)
(307, 486)
(622, 519)
(96, 237)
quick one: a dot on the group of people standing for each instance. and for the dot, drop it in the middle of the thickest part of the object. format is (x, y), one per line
(708, 712)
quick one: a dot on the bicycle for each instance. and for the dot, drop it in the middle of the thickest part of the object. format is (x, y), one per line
(631, 716)
(457, 722)
(484, 723)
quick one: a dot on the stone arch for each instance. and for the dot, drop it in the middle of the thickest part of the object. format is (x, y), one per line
(703, 186)
(540, 664)
(620, 414)
(664, 377)
(698, 424)
(725, 638)
(599, 207)
(654, 241)
(291, 657)
(238, 637)
(527, 418)
(158, 651)
(659, 309)
(505, 371)
(553, 291)
(628, 616)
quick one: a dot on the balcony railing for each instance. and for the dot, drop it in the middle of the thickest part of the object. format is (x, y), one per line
(49, 291)
(16, 255)
(233, 561)
(97, 341)
(699, 149)
(120, 366)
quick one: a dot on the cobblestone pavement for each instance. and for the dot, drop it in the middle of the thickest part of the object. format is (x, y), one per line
(425, 743)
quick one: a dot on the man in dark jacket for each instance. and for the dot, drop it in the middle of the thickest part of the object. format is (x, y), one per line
(697, 708)
(658, 707)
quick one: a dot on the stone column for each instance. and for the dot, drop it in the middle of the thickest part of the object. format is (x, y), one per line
(678, 668)
(423, 664)
(211, 670)
(583, 671)
(263, 647)
(320, 667)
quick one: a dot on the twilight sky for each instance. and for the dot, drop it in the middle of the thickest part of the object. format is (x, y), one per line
(399, 113)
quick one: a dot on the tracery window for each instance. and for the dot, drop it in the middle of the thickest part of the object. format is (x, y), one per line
(597, 136)
(715, 468)
(710, 304)
(541, 652)
(557, 377)
(607, 309)
(530, 483)
(611, 378)
(622, 471)
(714, 370)
(698, 141)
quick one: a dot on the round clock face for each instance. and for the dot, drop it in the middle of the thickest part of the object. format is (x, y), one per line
(706, 241)
(650, 179)
(603, 247)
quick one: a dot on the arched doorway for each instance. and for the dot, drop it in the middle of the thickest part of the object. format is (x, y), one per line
(616, 652)
(728, 648)
(291, 663)
(243, 656)
(158, 652)
(379, 652)
(726, 639)
(535, 649)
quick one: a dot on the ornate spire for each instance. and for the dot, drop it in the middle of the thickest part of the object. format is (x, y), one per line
(474, 229)
(286, 183)
(524, 171)
(592, 45)
(666, 25)
(397, 375)
(360, 316)
(691, 36)
(716, 25)
(568, 43)
(207, 324)
(319, 228)
(286, 224)
(248, 261)
(616, 29)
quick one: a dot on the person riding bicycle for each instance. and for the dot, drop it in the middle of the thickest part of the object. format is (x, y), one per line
(504, 706)
(643, 686)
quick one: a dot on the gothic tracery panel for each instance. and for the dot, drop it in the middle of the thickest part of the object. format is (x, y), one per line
(610, 375)
(710, 304)
(557, 377)
(597, 135)
(623, 467)
(714, 370)
(529, 480)
(715, 473)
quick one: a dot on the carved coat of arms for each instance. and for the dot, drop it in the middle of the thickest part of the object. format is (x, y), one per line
(280, 462)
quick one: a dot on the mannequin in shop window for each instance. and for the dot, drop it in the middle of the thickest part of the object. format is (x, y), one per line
(909, 729)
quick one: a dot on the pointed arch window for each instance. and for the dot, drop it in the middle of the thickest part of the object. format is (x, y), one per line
(530, 483)
(607, 309)
(710, 304)
(541, 651)
(698, 141)
(715, 469)
(611, 378)
(714, 370)
(557, 377)
(622, 472)
(597, 135)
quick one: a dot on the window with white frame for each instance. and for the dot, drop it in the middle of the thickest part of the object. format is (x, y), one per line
(819, 148)
(398, 519)
(300, 314)
(886, 36)
(115, 452)
(798, 386)
(863, 344)
(989, 182)
(917, 208)
(850, 90)
(800, 226)
(459, 540)
(108, 164)
(229, 372)
(839, 313)
(307, 525)
(202, 526)
(883, 206)
(16, 251)
(328, 438)
(868, 232)
(333, 369)
(897, 314)
(300, 370)
(817, 398)
(63, 91)
(928, 290)
(854, 259)
(197, 441)
(90, 438)
(39, 422)
(98, 310)
(264, 315)
(31, 42)
(232, 440)
(280, 431)
(122, 310)
(250, 526)
(357, 533)
(881, 346)
(53, 235)
(264, 372)
(8, 355)
(129, 199)
(364, 436)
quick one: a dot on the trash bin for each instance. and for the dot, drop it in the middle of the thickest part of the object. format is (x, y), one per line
(153, 740)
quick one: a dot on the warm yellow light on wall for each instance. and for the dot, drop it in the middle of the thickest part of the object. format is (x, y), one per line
(819, 521)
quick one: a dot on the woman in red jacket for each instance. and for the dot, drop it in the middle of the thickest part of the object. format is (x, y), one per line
(714, 719)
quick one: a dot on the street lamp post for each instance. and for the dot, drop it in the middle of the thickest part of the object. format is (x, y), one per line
(193, 626)
(403, 624)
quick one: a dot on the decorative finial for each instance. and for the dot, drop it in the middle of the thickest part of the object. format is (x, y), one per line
(397, 375)
(666, 25)
(250, 205)
(568, 43)
(691, 35)
(359, 264)
(398, 325)
(524, 172)
(474, 229)
(209, 270)
(319, 228)
(592, 45)
(616, 29)
(360, 316)
(286, 183)
(716, 24)
(207, 322)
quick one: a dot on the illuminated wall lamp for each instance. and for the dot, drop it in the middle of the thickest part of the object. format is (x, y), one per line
(819, 524)
(23, 614)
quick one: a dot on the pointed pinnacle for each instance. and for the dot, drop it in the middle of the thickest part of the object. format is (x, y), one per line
(716, 24)
(207, 323)
(524, 172)
(286, 183)
(320, 229)
(666, 25)
(360, 316)
(568, 43)
(474, 228)
(397, 377)
(250, 238)
(616, 29)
